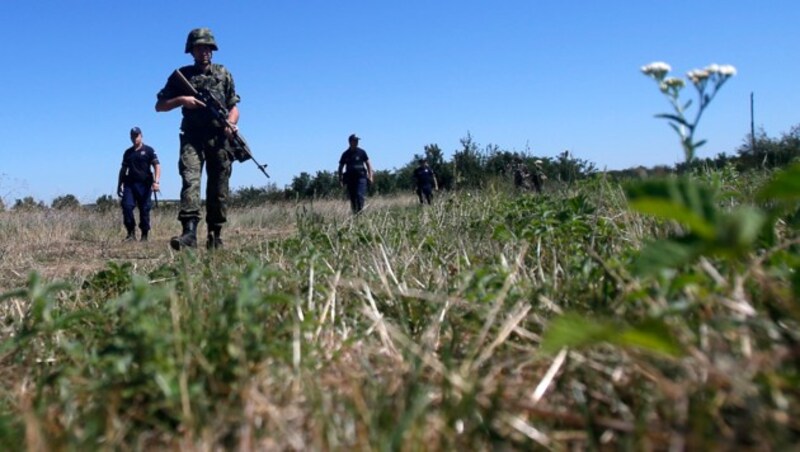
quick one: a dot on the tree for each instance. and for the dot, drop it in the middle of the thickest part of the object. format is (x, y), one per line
(500, 162)
(468, 163)
(65, 202)
(301, 185)
(383, 182)
(28, 203)
(444, 171)
(323, 185)
(105, 203)
(247, 196)
(569, 168)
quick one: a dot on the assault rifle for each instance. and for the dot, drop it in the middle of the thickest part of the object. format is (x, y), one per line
(220, 113)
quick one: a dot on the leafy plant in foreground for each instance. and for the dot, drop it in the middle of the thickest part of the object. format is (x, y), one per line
(708, 229)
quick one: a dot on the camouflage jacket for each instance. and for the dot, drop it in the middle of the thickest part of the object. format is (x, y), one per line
(218, 80)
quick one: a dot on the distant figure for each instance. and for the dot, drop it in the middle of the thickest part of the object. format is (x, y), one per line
(521, 176)
(425, 181)
(136, 184)
(358, 173)
(204, 140)
(538, 177)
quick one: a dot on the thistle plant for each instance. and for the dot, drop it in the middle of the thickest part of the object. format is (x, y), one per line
(707, 82)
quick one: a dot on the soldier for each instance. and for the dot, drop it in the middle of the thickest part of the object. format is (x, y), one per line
(521, 176)
(538, 176)
(203, 140)
(136, 183)
(425, 181)
(359, 172)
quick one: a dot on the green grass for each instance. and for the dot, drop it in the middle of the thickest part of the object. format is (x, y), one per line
(489, 320)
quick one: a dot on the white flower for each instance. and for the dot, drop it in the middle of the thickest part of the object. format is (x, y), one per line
(727, 70)
(698, 75)
(658, 69)
(674, 82)
(671, 85)
(712, 68)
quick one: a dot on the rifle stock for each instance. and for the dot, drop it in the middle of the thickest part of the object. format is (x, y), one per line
(220, 113)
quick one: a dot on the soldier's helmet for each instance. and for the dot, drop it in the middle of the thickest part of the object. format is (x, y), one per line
(200, 36)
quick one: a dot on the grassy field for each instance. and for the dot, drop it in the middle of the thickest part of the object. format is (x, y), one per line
(490, 320)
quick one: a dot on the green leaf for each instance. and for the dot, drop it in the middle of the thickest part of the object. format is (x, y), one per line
(576, 331)
(672, 117)
(652, 336)
(502, 233)
(573, 330)
(738, 231)
(784, 186)
(670, 210)
(662, 255)
(681, 199)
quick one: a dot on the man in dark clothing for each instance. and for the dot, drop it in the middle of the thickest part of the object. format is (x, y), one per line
(359, 172)
(204, 140)
(521, 176)
(425, 181)
(136, 183)
(538, 176)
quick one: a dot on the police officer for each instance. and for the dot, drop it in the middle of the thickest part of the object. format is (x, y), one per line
(136, 183)
(203, 140)
(359, 172)
(425, 181)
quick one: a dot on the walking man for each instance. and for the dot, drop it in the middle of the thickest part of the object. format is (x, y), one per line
(425, 181)
(358, 173)
(538, 176)
(203, 140)
(136, 183)
(521, 176)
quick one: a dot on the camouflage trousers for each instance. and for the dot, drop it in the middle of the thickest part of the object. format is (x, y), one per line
(211, 152)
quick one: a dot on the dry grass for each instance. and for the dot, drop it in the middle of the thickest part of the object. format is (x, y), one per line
(74, 244)
(404, 328)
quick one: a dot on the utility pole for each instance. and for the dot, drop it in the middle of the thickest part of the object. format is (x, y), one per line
(752, 126)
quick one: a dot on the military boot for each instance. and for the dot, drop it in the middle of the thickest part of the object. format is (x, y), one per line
(131, 237)
(144, 236)
(187, 239)
(214, 241)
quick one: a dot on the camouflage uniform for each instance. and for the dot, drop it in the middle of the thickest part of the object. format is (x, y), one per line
(203, 141)
(538, 176)
(521, 176)
(525, 180)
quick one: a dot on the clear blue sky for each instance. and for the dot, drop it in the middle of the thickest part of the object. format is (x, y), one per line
(536, 76)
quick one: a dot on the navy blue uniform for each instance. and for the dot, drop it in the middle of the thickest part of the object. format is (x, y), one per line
(424, 180)
(355, 176)
(137, 180)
